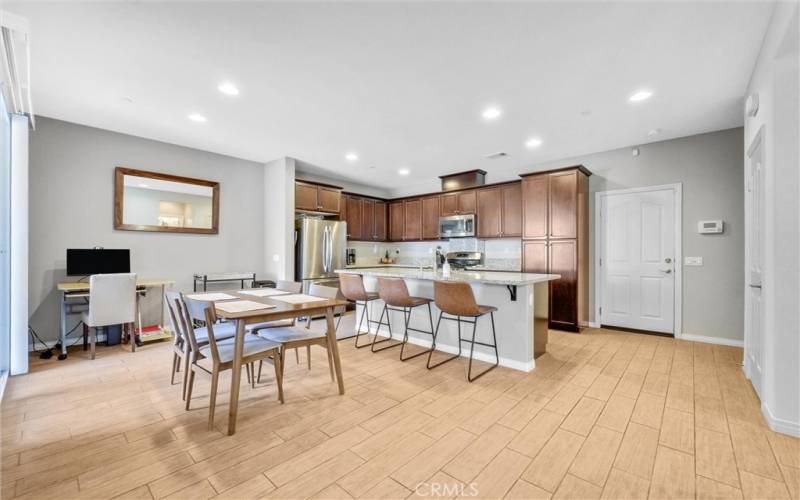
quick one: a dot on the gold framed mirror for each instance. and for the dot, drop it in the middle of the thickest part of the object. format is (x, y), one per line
(153, 201)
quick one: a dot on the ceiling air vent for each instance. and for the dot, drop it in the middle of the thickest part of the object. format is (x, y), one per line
(496, 156)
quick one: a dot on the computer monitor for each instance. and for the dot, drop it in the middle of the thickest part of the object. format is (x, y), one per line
(83, 262)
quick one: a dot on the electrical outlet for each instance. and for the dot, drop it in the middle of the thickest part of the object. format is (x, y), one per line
(693, 261)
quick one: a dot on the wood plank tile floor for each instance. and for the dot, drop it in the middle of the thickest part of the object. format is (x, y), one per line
(604, 414)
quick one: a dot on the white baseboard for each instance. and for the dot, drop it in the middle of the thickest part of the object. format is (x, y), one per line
(101, 337)
(486, 358)
(590, 324)
(711, 340)
(778, 424)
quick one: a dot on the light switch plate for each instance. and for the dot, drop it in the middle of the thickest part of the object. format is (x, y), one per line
(693, 261)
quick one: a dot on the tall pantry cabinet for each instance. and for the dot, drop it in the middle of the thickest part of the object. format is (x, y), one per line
(555, 240)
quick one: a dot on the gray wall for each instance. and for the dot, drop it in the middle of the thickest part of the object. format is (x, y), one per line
(71, 206)
(710, 167)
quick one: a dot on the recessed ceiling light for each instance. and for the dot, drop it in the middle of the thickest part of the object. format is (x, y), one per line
(197, 117)
(533, 142)
(351, 156)
(228, 88)
(403, 171)
(654, 132)
(640, 95)
(492, 113)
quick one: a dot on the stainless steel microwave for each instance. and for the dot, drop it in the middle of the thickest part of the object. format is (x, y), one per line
(457, 226)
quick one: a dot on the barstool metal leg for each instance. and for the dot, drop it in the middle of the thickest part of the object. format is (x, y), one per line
(470, 378)
(364, 312)
(375, 340)
(407, 315)
(433, 347)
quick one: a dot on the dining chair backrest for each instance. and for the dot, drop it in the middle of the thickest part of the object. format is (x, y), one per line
(327, 292)
(289, 286)
(112, 299)
(202, 310)
(170, 298)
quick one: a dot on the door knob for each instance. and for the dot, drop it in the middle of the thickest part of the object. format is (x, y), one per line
(667, 260)
(666, 271)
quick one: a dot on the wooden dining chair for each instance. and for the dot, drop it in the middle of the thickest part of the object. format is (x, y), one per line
(217, 356)
(284, 286)
(181, 347)
(295, 337)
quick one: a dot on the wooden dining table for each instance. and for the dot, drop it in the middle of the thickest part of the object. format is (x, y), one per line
(278, 310)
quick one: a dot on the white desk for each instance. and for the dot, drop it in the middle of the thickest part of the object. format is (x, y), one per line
(80, 289)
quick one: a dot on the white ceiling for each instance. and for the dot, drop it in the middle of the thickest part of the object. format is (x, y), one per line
(402, 84)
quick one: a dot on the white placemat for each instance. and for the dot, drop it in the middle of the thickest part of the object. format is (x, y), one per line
(212, 296)
(264, 292)
(237, 306)
(298, 298)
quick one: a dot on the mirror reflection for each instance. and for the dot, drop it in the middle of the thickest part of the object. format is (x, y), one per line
(155, 202)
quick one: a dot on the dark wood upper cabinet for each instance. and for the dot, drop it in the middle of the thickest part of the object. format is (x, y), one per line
(467, 202)
(534, 206)
(512, 210)
(317, 197)
(412, 226)
(564, 297)
(329, 199)
(354, 218)
(380, 220)
(430, 218)
(563, 204)
(448, 204)
(343, 209)
(396, 220)
(490, 212)
(460, 202)
(367, 219)
(305, 196)
(534, 256)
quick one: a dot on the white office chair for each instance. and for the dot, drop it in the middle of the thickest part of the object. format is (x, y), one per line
(112, 301)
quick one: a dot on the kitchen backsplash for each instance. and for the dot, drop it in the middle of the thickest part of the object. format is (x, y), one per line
(501, 254)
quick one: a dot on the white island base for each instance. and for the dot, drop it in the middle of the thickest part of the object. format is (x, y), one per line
(520, 325)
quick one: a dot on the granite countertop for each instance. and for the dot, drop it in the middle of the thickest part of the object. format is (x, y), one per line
(482, 277)
(412, 266)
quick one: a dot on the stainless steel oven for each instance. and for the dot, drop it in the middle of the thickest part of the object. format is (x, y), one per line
(457, 226)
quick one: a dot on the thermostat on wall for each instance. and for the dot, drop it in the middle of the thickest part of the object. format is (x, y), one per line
(710, 226)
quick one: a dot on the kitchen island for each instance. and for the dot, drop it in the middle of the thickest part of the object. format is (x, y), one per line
(521, 319)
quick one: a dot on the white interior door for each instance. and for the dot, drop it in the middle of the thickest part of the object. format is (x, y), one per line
(637, 260)
(754, 303)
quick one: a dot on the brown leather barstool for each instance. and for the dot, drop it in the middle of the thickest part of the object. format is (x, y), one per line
(456, 299)
(395, 296)
(352, 286)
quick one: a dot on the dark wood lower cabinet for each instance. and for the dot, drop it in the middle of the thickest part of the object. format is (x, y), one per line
(534, 256)
(563, 260)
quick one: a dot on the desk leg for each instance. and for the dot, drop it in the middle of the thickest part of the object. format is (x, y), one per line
(63, 326)
(334, 347)
(236, 376)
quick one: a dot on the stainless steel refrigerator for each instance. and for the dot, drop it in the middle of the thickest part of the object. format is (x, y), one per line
(319, 249)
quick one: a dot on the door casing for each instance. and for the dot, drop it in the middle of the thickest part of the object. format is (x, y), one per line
(599, 232)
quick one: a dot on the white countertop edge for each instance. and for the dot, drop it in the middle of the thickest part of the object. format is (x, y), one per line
(482, 277)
